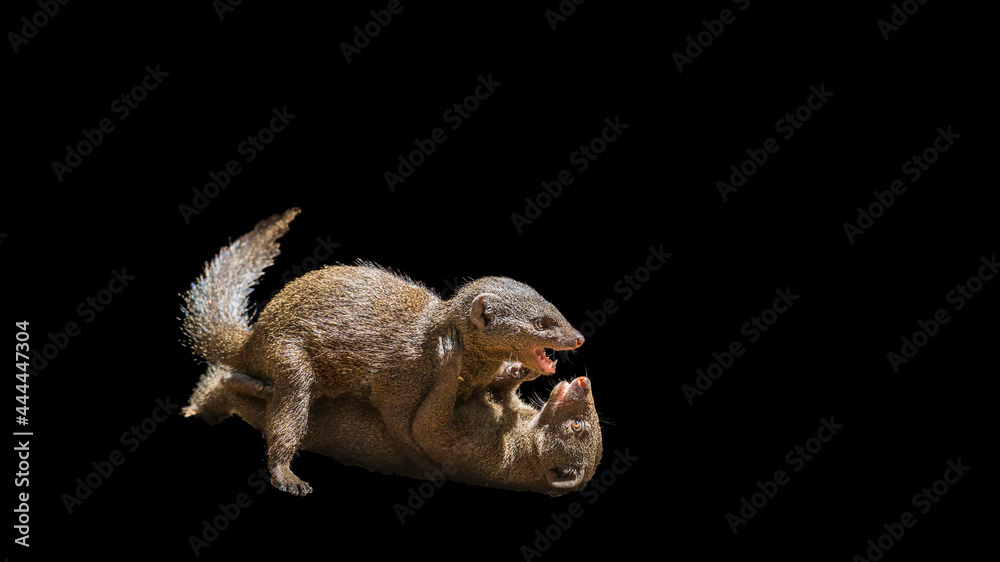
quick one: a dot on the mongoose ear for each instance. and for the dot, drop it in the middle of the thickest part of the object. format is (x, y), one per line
(481, 312)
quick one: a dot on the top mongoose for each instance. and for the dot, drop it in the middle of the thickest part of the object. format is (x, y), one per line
(360, 330)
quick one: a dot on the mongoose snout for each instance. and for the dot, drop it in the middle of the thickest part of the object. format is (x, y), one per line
(571, 392)
(545, 364)
(569, 400)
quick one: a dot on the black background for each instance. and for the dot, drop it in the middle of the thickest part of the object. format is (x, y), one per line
(653, 186)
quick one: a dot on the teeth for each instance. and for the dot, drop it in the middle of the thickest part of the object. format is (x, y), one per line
(547, 363)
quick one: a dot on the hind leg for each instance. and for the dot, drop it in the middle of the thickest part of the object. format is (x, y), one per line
(287, 418)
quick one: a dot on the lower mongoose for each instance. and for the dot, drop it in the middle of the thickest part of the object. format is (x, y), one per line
(556, 449)
(491, 439)
(359, 330)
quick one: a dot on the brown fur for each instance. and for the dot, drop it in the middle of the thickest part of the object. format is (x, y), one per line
(493, 439)
(361, 332)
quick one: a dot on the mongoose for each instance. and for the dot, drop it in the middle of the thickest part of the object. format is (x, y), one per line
(492, 439)
(554, 450)
(359, 330)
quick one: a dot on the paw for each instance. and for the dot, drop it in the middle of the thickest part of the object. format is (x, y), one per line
(285, 480)
(512, 370)
(450, 352)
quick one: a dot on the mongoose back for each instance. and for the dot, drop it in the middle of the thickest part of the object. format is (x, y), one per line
(358, 330)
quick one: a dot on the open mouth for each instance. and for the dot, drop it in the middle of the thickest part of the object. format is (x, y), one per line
(563, 388)
(547, 364)
(565, 478)
(558, 395)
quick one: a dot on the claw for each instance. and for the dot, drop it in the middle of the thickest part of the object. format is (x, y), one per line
(286, 481)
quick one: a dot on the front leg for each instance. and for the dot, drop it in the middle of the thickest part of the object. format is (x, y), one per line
(433, 426)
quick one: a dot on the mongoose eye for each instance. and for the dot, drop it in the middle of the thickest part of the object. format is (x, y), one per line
(539, 324)
(577, 425)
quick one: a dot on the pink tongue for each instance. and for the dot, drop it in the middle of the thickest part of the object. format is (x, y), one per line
(544, 361)
(562, 393)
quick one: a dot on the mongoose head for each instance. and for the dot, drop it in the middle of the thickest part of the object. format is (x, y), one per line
(508, 320)
(567, 436)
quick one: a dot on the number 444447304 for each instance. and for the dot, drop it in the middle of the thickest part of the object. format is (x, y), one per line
(21, 348)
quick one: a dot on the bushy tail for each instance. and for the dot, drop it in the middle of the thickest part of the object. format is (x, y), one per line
(216, 322)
